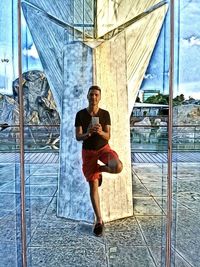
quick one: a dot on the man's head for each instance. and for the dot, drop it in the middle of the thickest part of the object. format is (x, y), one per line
(94, 95)
(94, 87)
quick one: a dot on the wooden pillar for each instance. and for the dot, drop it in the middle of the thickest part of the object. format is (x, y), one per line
(111, 76)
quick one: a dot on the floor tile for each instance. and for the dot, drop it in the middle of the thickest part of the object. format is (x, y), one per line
(123, 233)
(140, 191)
(146, 206)
(189, 250)
(9, 201)
(159, 253)
(189, 186)
(10, 229)
(75, 254)
(130, 256)
(42, 180)
(156, 189)
(190, 200)
(153, 229)
(41, 190)
(179, 261)
(10, 254)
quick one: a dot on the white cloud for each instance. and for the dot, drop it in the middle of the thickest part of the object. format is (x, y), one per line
(192, 41)
(149, 76)
(188, 89)
(32, 52)
(194, 95)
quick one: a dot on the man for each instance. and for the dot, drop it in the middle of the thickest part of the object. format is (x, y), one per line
(95, 138)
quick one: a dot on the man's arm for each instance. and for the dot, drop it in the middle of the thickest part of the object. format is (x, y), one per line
(80, 136)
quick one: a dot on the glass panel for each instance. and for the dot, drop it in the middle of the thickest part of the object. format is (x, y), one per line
(10, 219)
(41, 129)
(186, 125)
(42, 135)
(149, 146)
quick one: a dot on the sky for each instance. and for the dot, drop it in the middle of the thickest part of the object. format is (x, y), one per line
(9, 49)
(187, 51)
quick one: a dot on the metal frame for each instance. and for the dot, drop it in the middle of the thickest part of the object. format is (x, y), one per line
(21, 128)
(170, 127)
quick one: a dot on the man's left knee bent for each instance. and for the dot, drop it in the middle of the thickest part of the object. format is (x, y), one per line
(119, 167)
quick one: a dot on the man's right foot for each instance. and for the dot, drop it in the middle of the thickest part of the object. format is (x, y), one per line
(98, 229)
(100, 179)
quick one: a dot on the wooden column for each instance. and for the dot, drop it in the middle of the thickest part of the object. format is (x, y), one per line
(111, 76)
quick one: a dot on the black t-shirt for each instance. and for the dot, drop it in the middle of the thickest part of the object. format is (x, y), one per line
(83, 118)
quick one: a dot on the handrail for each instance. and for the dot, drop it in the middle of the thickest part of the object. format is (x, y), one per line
(175, 125)
(31, 125)
(58, 125)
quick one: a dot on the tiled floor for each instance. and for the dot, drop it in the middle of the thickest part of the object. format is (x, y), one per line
(138, 241)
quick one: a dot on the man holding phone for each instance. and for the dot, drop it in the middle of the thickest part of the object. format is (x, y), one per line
(93, 128)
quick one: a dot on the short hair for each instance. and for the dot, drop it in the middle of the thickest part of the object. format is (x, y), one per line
(94, 87)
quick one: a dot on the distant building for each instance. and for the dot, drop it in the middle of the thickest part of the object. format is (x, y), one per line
(147, 109)
(141, 95)
(148, 93)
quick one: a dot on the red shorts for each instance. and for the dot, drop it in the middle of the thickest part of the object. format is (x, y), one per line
(90, 157)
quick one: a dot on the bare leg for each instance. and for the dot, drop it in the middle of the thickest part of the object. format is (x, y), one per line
(114, 166)
(94, 195)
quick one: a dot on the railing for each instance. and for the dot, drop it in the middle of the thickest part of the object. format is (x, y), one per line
(46, 138)
(155, 138)
(37, 138)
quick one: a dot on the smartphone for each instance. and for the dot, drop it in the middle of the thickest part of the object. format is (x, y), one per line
(95, 120)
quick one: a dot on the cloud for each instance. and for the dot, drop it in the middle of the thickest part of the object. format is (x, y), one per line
(188, 89)
(32, 52)
(192, 41)
(149, 76)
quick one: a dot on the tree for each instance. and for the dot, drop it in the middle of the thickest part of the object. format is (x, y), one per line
(158, 99)
(164, 99)
(178, 100)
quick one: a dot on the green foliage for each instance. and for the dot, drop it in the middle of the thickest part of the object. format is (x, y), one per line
(178, 100)
(164, 99)
(158, 99)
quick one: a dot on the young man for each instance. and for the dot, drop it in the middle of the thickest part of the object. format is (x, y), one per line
(93, 128)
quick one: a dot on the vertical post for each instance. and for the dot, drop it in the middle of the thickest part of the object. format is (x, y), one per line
(95, 19)
(170, 127)
(21, 129)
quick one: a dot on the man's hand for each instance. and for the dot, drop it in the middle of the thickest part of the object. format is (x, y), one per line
(104, 133)
(98, 129)
(80, 136)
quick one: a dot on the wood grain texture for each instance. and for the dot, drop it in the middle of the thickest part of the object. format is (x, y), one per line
(141, 39)
(111, 14)
(116, 191)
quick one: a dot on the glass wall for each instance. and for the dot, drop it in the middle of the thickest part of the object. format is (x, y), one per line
(149, 127)
(10, 219)
(54, 36)
(186, 123)
(41, 134)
